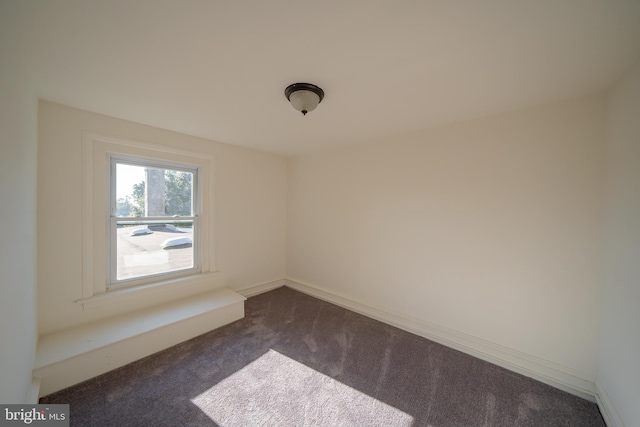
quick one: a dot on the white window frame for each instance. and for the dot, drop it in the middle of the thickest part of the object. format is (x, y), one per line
(97, 152)
(112, 259)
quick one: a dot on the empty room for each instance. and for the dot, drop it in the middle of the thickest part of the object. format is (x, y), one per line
(408, 213)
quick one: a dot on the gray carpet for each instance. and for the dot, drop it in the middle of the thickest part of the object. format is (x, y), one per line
(297, 361)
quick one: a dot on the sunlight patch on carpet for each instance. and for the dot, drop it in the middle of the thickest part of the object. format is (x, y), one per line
(277, 390)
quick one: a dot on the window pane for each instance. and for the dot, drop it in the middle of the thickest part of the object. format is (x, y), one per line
(146, 248)
(149, 191)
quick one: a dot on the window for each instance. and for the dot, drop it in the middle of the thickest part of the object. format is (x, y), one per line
(153, 222)
(147, 220)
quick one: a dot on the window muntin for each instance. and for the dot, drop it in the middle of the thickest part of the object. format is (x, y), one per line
(154, 228)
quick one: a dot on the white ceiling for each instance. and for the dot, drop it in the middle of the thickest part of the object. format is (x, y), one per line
(218, 69)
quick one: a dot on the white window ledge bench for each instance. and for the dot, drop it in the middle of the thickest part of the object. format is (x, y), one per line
(74, 355)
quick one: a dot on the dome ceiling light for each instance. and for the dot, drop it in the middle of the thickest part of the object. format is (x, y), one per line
(304, 97)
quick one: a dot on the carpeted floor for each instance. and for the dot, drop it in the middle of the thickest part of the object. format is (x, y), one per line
(295, 360)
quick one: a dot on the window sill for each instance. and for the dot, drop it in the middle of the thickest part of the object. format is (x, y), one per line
(196, 283)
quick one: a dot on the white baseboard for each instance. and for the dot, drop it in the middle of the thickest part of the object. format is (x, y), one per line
(259, 289)
(607, 409)
(553, 374)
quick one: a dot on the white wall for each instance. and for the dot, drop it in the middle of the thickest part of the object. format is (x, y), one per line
(18, 142)
(490, 228)
(619, 357)
(250, 210)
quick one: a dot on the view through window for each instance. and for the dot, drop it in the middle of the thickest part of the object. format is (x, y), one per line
(153, 221)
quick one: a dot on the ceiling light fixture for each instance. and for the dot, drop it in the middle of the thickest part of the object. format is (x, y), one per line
(304, 97)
